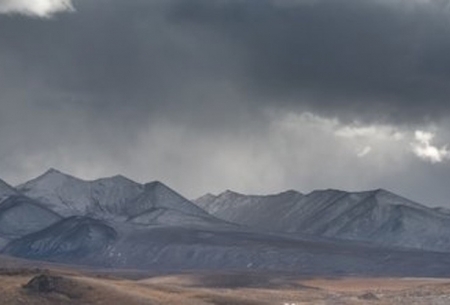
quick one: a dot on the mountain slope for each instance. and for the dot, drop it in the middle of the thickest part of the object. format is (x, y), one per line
(20, 216)
(261, 212)
(89, 242)
(160, 205)
(69, 240)
(158, 195)
(375, 216)
(171, 217)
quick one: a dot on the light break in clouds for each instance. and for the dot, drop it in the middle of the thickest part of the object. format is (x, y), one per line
(39, 8)
(424, 149)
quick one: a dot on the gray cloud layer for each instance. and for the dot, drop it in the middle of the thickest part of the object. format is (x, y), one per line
(363, 56)
(378, 59)
(197, 93)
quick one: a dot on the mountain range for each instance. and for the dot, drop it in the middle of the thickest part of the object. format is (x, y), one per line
(118, 223)
(378, 216)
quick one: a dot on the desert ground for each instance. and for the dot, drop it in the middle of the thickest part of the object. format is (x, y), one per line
(55, 284)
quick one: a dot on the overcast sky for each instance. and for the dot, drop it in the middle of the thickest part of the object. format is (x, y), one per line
(257, 96)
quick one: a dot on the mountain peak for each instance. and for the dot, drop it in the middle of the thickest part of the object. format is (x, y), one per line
(157, 186)
(206, 197)
(387, 197)
(290, 193)
(50, 178)
(52, 170)
(119, 179)
(154, 184)
(158, 195)
(54, 173)
(382, 191)
(230, 193)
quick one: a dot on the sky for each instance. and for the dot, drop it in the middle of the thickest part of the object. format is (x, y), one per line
(256, 96)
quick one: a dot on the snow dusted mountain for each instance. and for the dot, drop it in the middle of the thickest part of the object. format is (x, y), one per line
(117, 223)
(375, 216)
(261, 212)
(116, 198)
(6, 190)
(71, 196)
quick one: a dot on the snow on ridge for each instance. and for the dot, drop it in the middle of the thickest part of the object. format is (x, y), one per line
(105, 197)
(382, 195)
(229, 194)
(377, 216)
(70, 196)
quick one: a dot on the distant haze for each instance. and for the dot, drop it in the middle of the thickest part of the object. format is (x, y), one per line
(257, 96)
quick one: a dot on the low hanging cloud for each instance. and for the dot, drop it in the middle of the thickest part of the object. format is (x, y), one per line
(424, 149)
(39, 8)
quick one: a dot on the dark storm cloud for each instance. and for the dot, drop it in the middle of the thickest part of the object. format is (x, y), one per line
(119, 58)
(378, 59)
(200, 93)
(355, 59)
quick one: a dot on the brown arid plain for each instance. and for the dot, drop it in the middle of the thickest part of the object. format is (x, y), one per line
(77, 286)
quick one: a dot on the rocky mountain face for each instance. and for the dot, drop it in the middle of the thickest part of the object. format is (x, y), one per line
(70, 196)
(376, 216)
(116, 198)
(112, 198)
(118, 223)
